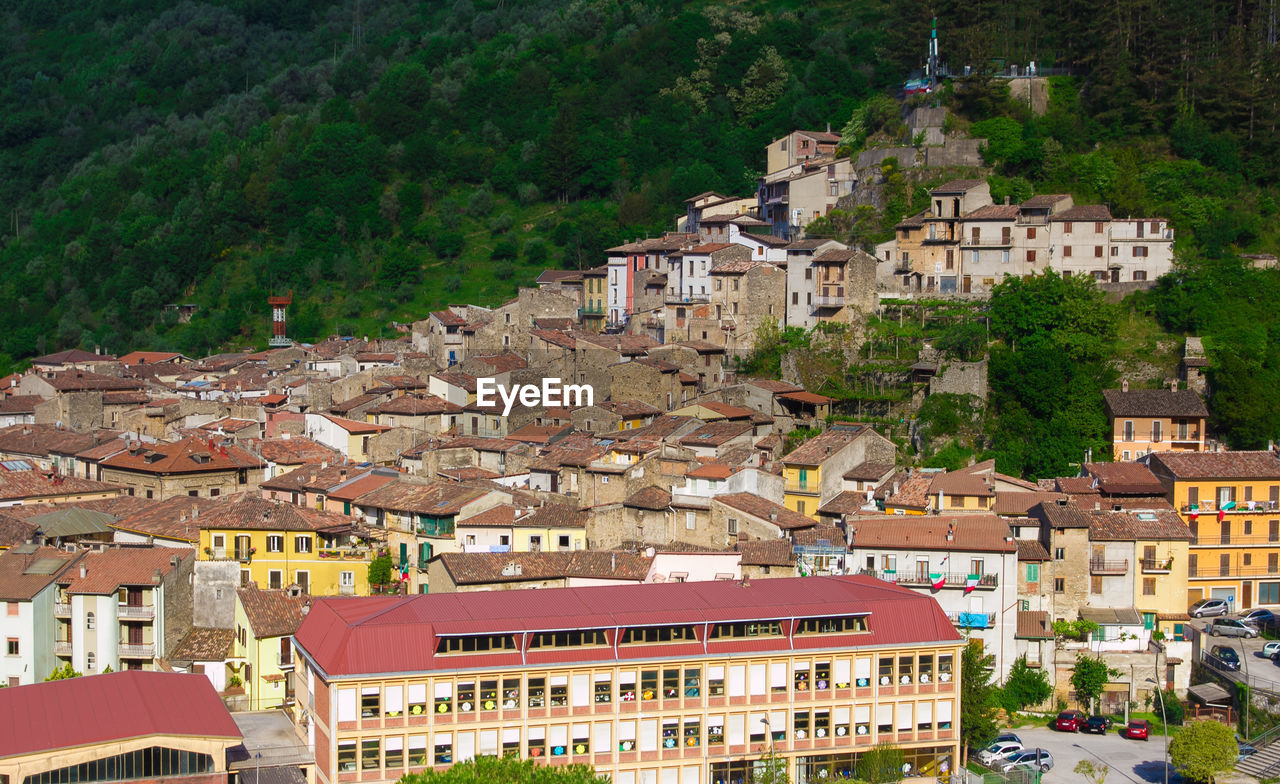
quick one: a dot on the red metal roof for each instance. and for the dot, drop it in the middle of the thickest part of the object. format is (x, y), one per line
(107, 708)
(346, 637)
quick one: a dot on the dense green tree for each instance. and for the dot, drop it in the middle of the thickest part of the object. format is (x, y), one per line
(484, 770)
(1203, 749)
(63, 672)
(978, 705)
(1088, 677)
(1025, 687)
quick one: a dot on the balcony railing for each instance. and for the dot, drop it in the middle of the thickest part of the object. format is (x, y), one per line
(1241, 507)
(802, 487)
(829, 302)
(1103, 566)
(972, 620)
(129, 611)
(62, 608)
(1231, 570)
(137, 651)
(1157, 565)
(347, 553)
(1218, 541)
(987, 242)
(688, 299)
(284, 660)
(62, 648)
(949, 579)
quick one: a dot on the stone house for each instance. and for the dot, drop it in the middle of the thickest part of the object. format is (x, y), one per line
(744, 296)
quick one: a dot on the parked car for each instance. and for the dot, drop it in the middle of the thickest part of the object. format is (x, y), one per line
(1207, 607)
(1224, 658)
(1271, 649)
(998, 750)
(1230, 627)
(1259, 617)
(1098, 724)
(1009, 736)
(1037, 759)
(1138, 729)
(1069, 721)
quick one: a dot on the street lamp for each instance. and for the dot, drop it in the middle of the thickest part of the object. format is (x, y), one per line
(1164, 721)
(773, 757)
(1248, 696)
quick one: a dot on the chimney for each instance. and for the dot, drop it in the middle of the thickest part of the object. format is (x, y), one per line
(613, 562)
(1124, 385)
(156, 577)
(84, 571)
(1173, 385)
(1006, 201)
(746, 581)
(1062, 502)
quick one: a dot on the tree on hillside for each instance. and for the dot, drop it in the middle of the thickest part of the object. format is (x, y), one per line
(1203, 749)
(977, 697)
(508, 770)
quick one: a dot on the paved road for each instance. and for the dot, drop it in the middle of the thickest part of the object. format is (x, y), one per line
(1130, 761)
(1260, 671)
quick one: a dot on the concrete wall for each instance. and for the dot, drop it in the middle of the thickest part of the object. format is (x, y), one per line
(214, 594)
(961, 378)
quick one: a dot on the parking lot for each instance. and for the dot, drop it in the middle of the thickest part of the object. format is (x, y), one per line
(1261, 672)
(1130, 761)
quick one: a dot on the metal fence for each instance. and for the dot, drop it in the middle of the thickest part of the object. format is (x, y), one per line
(1019, 776)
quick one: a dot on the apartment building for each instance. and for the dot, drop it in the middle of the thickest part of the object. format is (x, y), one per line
(28, 594)
(814, 472)
(674, 682)
(1231, 503)
(190, 467)
(966, 244)
(967, 563)
(1154, 420)
(122, 608)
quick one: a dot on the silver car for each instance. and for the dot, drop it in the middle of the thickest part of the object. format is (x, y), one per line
(1230, 627)
(1036, 759)
(1207, 607)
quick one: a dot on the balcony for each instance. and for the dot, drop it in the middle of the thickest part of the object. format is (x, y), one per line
(802, 487)
(829, 302)
(137, 651)
(1231, 570)
(920, 579)
(1219, 541)
(62, 648)
(1243, 507)
(1157, 565)
(688, 299)
(972, 620)
(129, 611)
(347, 553)
(61, 608)
(1103, 566)
(987, 242)
(284, 660)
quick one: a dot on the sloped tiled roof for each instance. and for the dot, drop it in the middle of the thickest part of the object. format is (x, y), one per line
(1217, 465)
(768, 511)
(651, 498)
(1033, 625)
(188, 456)
(272, 613)
(204, 645)
(1154, 403)
(1138, 525)
(27, 573)
(976, 532)
(106, 571)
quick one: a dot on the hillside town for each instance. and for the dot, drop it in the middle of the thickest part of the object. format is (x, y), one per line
(725, 565)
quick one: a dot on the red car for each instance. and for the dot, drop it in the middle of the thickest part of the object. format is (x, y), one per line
(1138, 729)
(1069, 721)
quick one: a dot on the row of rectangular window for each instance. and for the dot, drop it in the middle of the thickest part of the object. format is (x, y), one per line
(583, 689)
(647, 734)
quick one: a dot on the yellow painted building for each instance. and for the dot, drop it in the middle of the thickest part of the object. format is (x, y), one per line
(1231, 503)
(594, 296)
(279, 544)
(263, 647)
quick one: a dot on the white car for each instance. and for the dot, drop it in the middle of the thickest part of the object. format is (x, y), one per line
(1270, 650)
(997, 751)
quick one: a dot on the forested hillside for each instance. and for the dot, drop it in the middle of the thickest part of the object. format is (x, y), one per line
(383, 157)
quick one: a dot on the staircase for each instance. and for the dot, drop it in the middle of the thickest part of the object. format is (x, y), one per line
(1266, 763)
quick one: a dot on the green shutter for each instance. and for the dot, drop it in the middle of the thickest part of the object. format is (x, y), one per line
(1033, 573)
(346, 507)
(1149, 621)
(404, 554)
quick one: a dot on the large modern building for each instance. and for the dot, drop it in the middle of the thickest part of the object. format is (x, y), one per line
(678, 683)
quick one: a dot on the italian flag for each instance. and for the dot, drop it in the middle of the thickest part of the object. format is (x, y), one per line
(971, 582)
(1194, 512)
(938, 580)
(1222, 510)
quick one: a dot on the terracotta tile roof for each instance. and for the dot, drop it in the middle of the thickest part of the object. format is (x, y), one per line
(993, 212)
(106, 571)
(958, 483)
(868, 472)
(19, 485)
(803, 396)
(149, 357)
(771, 240)
(846, 503)
(295, 450)
(1138, 525)
(83, 380)
(767, 552)
(978, 532)
(1020, 504)
(628, 345)
(711, 470)
(556, 515)
(661, 427)
(249, 512)
(437, 499)
(1031, 550)
(1154, 403)
(483, 568)
(15, 531)
(272, 613)
(1061, 515)
(835, 256)
(1124, 478)
(554, 323)
(819, 448)
(175, 519)
(1043, 201)
(417, 405)
(1085, 213)
(26, 571)
(43, 440)
(454, 378)
(1033, 625)
(1076, 485)
(359, 401)
(20, 404)
(820, 534)
(71, 355)
(555, 337)
(768, 511)
(204, 645)
(352, 426)
(717, 433)
(502, 363)
(727, 411)
(537, 434)
(912, 222)
(771, 385)
(500, 516)
(448, 318)
(1122, 502)
(651, 498)
(312, 477)
(551, 275)
(1216, 465)
(188, 456)
(738, 266)
(357, 487)
(957, 186)
(467, 472)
